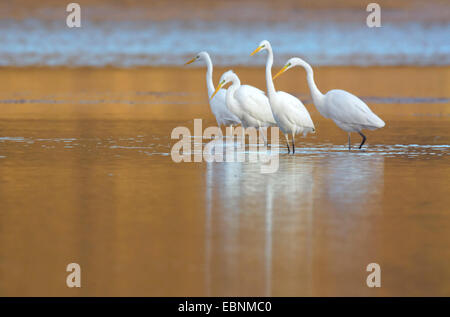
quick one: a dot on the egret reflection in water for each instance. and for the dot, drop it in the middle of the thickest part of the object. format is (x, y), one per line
(302, 199)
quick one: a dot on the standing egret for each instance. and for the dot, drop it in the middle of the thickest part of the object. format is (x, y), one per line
(350, 113)
(289, 112)
(218, 105)
(248, 103)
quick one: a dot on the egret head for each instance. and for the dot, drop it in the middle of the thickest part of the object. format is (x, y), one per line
(295, 61)
(225, 79)
(263, 45)
(202, 56)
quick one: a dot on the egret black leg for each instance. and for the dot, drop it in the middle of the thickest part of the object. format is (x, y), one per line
(349, 146)
(287, 143)
(293, 144)
(363, 140)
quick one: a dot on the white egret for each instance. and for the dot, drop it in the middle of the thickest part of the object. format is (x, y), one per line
(350, 113)
(289, 112)
(218, 105)
(248, 103)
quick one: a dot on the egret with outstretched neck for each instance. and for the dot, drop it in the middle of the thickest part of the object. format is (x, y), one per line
(350, 113)
(289, 112)
(248, 103)
(218, 105)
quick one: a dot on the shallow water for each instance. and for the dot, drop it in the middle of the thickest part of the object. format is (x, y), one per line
(90, 181)
(137, 33)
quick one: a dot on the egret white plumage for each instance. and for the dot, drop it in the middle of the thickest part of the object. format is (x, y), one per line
(289, 112)
(248, 103)
(350, 113)
(218, 105)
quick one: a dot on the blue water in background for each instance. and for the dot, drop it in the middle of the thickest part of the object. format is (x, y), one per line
(153, 43)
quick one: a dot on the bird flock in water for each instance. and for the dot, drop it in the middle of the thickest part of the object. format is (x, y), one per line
(251, 107)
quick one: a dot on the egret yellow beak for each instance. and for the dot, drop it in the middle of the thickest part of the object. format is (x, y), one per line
(191, 61)
(256, 51)
(281, 71)
(217, 89)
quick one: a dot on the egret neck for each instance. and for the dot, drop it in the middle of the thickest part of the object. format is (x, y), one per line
(209, 72)
(269, 81)
(316, 95)
(231, 102)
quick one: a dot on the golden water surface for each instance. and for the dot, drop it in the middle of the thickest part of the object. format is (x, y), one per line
(86, 176)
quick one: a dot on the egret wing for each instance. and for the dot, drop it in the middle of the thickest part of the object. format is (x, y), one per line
(345, 107)
(255, 103)
(295, 112)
